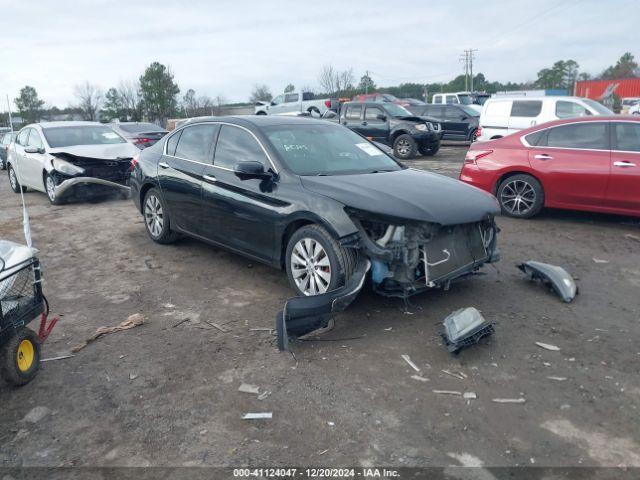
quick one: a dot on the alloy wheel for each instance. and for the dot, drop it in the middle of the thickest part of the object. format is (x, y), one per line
(310, 267)
(403, 147)
(518, 197)
(153, 215)
(51, 188)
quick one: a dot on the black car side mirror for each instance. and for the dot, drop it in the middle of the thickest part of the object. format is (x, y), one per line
(463, 117)
(250, 169)
(382, 117)
(33, 150)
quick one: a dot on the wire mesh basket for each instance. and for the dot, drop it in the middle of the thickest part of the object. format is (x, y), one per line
(21, 298)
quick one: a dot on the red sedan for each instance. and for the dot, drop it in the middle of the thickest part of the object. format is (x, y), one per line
(590, 163)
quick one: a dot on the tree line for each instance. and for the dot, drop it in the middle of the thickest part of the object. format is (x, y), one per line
(154, 96)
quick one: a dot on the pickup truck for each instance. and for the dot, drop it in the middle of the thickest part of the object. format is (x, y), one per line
(393, 125)
(296, 103)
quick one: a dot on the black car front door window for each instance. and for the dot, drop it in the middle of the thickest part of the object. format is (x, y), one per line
(237, 145)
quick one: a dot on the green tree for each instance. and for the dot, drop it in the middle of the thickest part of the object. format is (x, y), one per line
(366, 84)
(189, 102)
(158, 91)
(625, 67)
(260, 93)
(113, 106)
(562, 74)
(289, 88)
(29, 105)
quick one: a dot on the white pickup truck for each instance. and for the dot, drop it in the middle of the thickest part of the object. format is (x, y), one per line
(296, 103)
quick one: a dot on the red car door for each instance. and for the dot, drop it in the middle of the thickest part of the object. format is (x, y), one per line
(573, 162)
(624, 187)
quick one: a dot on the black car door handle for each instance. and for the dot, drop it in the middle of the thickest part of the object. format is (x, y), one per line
(163, 165)
(209, 178)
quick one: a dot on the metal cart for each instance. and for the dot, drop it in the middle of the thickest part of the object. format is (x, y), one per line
(21, 301)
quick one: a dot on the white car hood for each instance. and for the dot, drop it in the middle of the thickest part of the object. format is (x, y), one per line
(106, 152)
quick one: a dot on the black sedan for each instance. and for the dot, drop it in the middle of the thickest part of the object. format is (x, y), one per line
(313, 198)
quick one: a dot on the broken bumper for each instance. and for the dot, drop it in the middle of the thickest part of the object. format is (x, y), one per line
(303, 315)
(65, 185)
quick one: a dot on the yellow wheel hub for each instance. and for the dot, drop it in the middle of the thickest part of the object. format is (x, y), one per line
(26, 354)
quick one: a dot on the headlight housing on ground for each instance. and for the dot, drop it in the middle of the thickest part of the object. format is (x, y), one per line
(65, 167)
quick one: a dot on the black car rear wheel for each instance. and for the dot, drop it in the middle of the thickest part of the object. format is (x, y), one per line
(156, 218)
(520, 196)
(316, 263)
(404, 147)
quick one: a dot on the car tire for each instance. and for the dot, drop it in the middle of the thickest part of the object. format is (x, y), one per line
(404, 147)
(156, 218)
(326, 268)
(520, 196)
(49, 188)
(3, 164)
(261, 113)
(429, 150)
(20, 357)
(314, 112)
(472, 135)
(13, 180)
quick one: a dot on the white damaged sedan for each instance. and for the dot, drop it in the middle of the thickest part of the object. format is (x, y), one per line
(65, 158)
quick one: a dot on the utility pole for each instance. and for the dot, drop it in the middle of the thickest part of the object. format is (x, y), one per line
(366, 84)
(471, 52)
(467, 57)
(9, 110)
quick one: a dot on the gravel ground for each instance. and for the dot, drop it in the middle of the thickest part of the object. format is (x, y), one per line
(166, 393)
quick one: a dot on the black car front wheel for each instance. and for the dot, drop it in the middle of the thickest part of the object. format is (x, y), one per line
(520, 196)
(156, 218)
(429, 150)
(404, 147)
(316, 263)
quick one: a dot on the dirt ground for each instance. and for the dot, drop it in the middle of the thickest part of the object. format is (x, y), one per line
(166, 393)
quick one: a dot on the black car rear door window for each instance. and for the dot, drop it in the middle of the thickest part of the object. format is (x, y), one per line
(587, 135)
(371, 114)
(195, 143)
(172, 143)
(237, 145)
(526, 108)
(627, 136)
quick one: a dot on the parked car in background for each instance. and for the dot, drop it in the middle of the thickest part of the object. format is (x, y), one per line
(502, 116)
(386, 97)
(628, 103)
(458, 98)
(313, 198)
(5, 142)
(393, 125)
(457, 122)
(141, 134)
(634, 109)
(590, 163)
(294, 103)
(60, 158)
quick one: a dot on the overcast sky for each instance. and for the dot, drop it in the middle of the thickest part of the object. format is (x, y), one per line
(224, 47)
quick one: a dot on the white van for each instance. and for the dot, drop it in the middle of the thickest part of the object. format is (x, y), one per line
(503, 116)
(457, 98)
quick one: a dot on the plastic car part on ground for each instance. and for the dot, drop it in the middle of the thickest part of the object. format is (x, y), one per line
(557, 278)
(464, 328)
(303, 315)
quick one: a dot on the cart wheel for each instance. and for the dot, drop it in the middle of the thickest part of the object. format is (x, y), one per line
(20, 357)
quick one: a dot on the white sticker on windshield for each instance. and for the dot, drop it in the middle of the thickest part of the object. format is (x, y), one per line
(368, 148)
(110, 135)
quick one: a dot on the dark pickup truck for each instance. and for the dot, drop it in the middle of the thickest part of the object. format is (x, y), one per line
(393, 125)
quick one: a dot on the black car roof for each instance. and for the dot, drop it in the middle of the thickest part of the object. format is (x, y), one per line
(261, 120)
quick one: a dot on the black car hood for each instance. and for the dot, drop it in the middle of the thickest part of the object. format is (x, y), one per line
(411, 194)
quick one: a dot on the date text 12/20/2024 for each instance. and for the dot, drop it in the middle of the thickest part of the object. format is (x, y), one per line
(315, 473)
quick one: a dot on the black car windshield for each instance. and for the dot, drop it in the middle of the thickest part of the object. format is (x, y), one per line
(81, 135)
(397, 111)
(327, 150)
(140, 127)
(465, 99)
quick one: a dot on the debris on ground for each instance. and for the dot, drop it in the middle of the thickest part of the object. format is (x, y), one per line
(631, 236)
(557, 379)
(459, 376)
(447, 392)
(134, 320)
(419, 378)
(469, 395)
(508, 400)
(61, 357)
(553, 276)
(36, 414)
(598, 260)
(548, 346)
(407, 359)
(247, 388)
(180, 322)
(464, 328)
(257, 416)
(133, 376)
(215, 325)
(261, 329)
(264, 395)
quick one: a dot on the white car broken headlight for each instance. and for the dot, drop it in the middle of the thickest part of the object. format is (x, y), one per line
(66, 167)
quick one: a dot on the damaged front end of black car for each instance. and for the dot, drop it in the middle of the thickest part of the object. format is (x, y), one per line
(70, 174)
